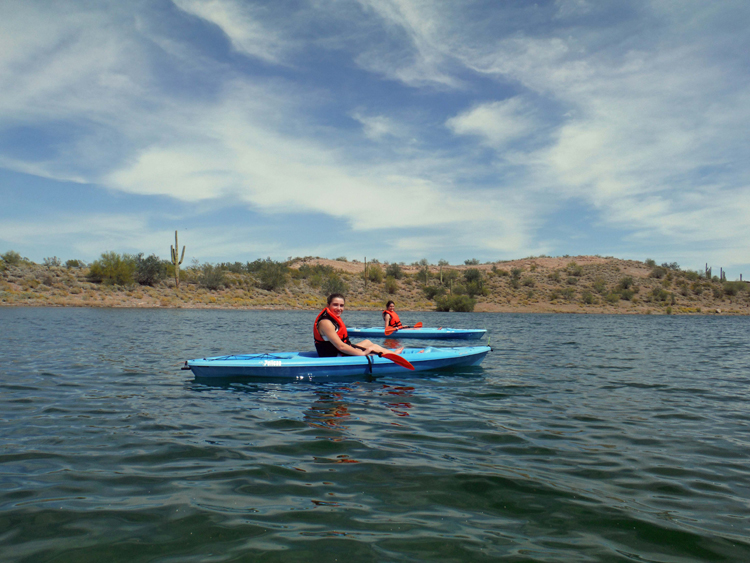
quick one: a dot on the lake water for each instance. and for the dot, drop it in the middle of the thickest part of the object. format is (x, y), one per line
(581, 438)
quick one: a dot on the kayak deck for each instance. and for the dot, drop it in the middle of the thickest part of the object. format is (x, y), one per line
(308, 365)
(426, 333)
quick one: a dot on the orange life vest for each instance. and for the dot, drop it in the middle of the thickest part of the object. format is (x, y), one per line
(325, 348)
(395, 321)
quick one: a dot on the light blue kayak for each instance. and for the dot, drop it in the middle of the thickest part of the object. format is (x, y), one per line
(424, 333)
(289, 366)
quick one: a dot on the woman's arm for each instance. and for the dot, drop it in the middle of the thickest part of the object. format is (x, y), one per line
(326, 328)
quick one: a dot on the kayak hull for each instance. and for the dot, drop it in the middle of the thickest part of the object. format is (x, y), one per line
(424, 333)
(287, 366)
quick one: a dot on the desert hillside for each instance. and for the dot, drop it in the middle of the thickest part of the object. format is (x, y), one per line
(580, 284)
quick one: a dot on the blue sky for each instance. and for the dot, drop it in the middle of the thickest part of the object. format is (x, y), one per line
(392, 129)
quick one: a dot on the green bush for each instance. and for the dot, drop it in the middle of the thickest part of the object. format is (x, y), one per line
(69, 264)
(11, 258)
(474, 288)
(600, 286)
(271, 275)
(472, 275)
(112, 269)
(394, 271)
(149, 271)
(516, 273)
(612, 298)
(626, 294)
(658, 272)
(423, 274)
(650, 263)
(691, 275)
(391, 285)
(574, 269)
(458, 303)
(568, 293)
(527, 282)
(212, 277)
(735, 287)
(52, 262)
(305, 271)
(432, 291)
(471, 262)
(375, 273)
(334, 284)
(572, 280)
(625, 283)
(587, 297)
(554, 276)
(234, 267)
(659, 294)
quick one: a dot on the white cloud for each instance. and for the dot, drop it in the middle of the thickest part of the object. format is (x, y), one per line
(497, 123)
(239, 21)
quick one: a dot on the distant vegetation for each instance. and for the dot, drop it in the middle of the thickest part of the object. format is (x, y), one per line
(607, 284)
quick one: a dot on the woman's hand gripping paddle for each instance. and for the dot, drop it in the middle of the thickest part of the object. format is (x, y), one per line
(395, 358)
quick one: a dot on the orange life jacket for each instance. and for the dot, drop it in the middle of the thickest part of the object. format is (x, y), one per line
(395, 321)
(325, 348)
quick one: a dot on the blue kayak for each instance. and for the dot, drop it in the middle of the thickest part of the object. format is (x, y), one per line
(425, 333)
(288, 366)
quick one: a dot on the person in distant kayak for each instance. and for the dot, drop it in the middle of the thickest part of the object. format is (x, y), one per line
(331, 337)
(390, 317)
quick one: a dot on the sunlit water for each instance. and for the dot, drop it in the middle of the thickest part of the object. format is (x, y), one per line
(581, 438)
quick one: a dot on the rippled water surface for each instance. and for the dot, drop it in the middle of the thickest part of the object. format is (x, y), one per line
(581, 438)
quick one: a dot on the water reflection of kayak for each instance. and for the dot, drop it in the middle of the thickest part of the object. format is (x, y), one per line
(425, 332)
(306, 365)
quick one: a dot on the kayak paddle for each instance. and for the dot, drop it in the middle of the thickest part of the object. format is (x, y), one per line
(391, 329)
(395, 358)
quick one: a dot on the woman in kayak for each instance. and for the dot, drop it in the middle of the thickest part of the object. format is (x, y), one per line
(390, 317)
(331, 338)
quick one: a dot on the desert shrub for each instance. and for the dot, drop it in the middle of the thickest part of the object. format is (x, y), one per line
(432, 291)
(600, 286)
(568, 293)
(658, 272)
(554, 294)
(112, 269)
(423, 274)
(691, 275)
(340, 259)
(394, 271)
(472, 275)
(515, 283)
(650, 262)
(587, 297)
(572, 280)
(212, 277)
(659, 294)
(574, 269)
(733, 288)
(472, 262)
(391, 285)
(554, 276)
(697, 288)
(458, 303)
(474, 288)
(52, 262)
(375, 273)
(528, 282)
(70, 264)
(626, 294)
(625, 283)
(333, 284)
(11, 258)
(612, 298)
(234, 267)
(501, 272)
(515, 273)
(718, 292)
(149, 271)
(306, 271)
(271, 275)
(671, 266)
(669, 310)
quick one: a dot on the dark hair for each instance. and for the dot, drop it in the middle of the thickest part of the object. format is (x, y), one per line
(333, 296)
(389, 304)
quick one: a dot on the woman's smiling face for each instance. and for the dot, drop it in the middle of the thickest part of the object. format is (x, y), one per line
(337, 306)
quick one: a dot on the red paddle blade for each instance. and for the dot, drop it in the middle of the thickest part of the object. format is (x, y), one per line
(390, 330)
(418, 325)
(395, 358)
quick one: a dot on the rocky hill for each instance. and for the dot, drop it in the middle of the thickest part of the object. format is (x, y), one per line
(580, 284)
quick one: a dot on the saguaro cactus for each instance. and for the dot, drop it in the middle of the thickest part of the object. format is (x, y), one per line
(174, 251)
